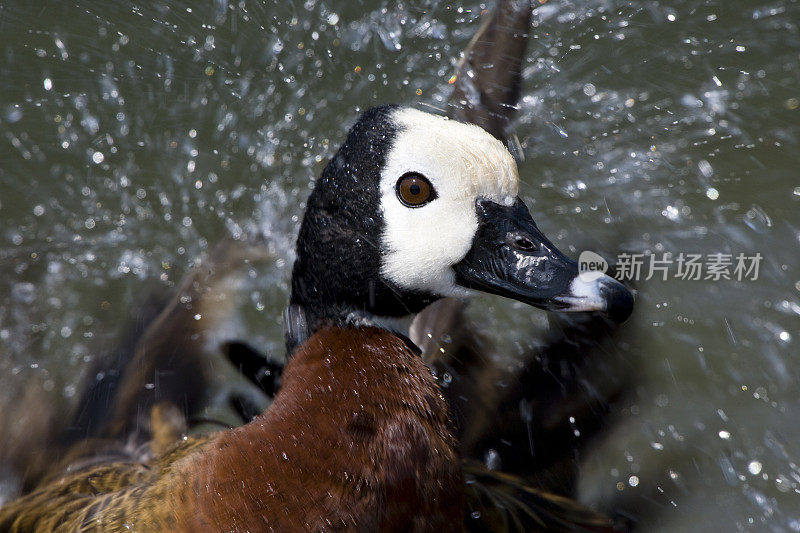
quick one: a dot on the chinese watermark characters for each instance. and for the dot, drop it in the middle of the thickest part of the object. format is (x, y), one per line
(686, 266)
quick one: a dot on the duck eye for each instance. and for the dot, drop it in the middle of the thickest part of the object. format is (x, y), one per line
(414, 190)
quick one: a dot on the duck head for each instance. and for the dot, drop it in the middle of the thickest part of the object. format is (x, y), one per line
(416, 207)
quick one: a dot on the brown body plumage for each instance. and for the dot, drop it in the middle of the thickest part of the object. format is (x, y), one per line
(358, 438)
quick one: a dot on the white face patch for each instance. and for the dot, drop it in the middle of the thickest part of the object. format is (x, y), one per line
(463, 163)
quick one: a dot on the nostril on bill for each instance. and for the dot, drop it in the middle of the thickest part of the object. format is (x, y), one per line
(521, 242)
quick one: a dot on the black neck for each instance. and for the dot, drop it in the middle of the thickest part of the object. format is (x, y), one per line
(337, 274)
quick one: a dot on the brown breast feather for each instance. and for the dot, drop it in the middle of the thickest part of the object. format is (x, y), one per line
(359, 437)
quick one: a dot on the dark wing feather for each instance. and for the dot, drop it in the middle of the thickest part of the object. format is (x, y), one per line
(500, 502)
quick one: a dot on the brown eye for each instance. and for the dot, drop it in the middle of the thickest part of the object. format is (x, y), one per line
(414, 190)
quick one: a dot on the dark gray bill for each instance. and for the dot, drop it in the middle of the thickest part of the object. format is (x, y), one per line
(512, 258)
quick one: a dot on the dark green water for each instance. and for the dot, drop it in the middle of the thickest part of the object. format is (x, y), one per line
(136, 135)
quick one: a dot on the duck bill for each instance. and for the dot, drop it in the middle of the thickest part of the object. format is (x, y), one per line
(512, 258)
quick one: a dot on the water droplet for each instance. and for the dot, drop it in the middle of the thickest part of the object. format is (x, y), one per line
(757, 220)
(13, 114)
(712, 193)
(48, 84)
(23, 292)
(671, 213)
(705, 168)
(98, 157)
(492, 459)
(754, 467)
